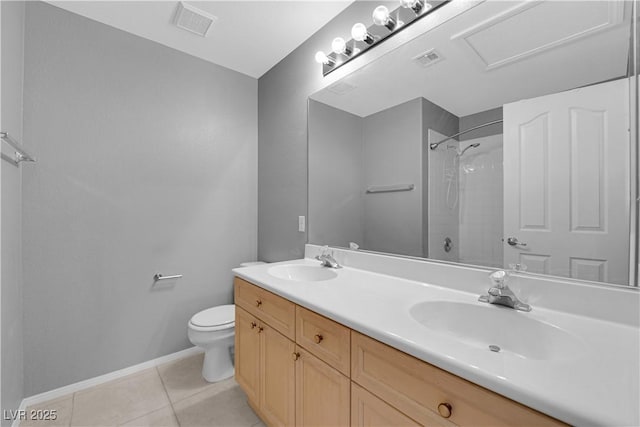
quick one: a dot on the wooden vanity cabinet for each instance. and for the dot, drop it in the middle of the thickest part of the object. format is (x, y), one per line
(285, 383)
(300, 368)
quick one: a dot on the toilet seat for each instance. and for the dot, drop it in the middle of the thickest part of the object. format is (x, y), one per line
(216, 318)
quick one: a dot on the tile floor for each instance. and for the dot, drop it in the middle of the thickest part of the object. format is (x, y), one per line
(173, 394)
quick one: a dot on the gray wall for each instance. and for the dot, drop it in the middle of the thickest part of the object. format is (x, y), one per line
(393, 155)
(12, 325)
(147, 163)
(282, 130)
(335, 176)
(472, 120)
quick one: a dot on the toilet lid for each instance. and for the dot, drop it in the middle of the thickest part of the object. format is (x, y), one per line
(215, 316)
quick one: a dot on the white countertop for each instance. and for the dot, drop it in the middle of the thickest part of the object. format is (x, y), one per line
(597, 385)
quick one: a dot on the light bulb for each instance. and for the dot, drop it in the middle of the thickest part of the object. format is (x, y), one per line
(381, 17)
(415, 5)
(338, 45)
(321, 58)
(359, 33)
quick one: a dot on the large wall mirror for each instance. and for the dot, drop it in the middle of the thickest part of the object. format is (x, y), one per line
(502, 136)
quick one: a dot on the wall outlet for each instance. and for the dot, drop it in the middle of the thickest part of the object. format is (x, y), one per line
(301, 224)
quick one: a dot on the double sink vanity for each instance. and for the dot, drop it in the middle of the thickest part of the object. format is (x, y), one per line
(396, 341)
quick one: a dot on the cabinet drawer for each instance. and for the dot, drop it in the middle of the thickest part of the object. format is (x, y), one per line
(369, 411)
(326, 339)
(421, 390)
(275, 311)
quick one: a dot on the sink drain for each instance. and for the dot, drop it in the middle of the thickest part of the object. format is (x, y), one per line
(494, 348)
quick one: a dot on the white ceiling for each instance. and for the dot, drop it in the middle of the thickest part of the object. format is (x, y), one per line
(495, 53)
(249, 36)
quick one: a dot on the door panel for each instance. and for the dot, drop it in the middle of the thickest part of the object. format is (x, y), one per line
(566, 183)
(247, 354)
(277, 397)
(322, 393)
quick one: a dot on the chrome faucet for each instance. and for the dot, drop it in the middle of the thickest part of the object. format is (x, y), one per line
(327, 259)
(500, 293)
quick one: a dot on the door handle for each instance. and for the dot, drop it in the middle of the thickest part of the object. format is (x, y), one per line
(513, 241)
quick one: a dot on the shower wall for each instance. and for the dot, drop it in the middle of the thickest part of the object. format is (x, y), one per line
(465, 193)
(481, 202)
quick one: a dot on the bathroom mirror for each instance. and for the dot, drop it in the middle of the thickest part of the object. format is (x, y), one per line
(541, 171)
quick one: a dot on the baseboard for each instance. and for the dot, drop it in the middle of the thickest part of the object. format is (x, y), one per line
(72, 388)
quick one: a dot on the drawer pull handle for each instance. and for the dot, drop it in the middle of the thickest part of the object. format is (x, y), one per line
(318, 338)
(295, 356)
(444, 409)
(253, 325)
(260, 329)
(258, 303)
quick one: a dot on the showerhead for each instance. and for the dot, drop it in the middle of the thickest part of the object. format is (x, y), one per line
(474, 145)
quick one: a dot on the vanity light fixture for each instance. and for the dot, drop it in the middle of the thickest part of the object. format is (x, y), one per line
(386, 23)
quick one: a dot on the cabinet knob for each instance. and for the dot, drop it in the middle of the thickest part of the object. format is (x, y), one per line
(260, 329)
(295, 356)
(318, 338)
(444, 409)
(258, 303)
(253, 325)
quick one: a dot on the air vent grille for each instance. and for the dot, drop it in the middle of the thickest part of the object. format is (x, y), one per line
(428, 58)
(193, 20)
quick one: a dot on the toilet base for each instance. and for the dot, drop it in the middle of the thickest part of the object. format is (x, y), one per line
(217, 364)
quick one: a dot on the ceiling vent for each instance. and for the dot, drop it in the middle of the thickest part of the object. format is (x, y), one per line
(341, 88)
(194, 20)
(428, 58)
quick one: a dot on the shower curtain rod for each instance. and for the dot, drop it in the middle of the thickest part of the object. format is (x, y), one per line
(434, 145)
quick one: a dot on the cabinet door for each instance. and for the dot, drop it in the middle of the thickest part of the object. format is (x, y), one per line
(322, 393)
(247, 354)
(369, 411)
(277, 397)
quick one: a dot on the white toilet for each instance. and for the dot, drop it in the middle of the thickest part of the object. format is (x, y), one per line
(213, 330)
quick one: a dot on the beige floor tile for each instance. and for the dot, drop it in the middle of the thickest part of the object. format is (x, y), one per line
(120, 400)
(183, 378)
(60, 409)
(161, 418)
(224, 405)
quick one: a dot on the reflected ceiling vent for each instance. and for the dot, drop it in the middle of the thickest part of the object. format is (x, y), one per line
(341, 88)
(428, 58)
(193, 19)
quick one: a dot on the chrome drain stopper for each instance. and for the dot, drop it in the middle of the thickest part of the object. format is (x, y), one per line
(494, 348)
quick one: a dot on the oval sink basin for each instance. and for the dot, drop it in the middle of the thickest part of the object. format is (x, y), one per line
(302, 273)
(482, 325)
